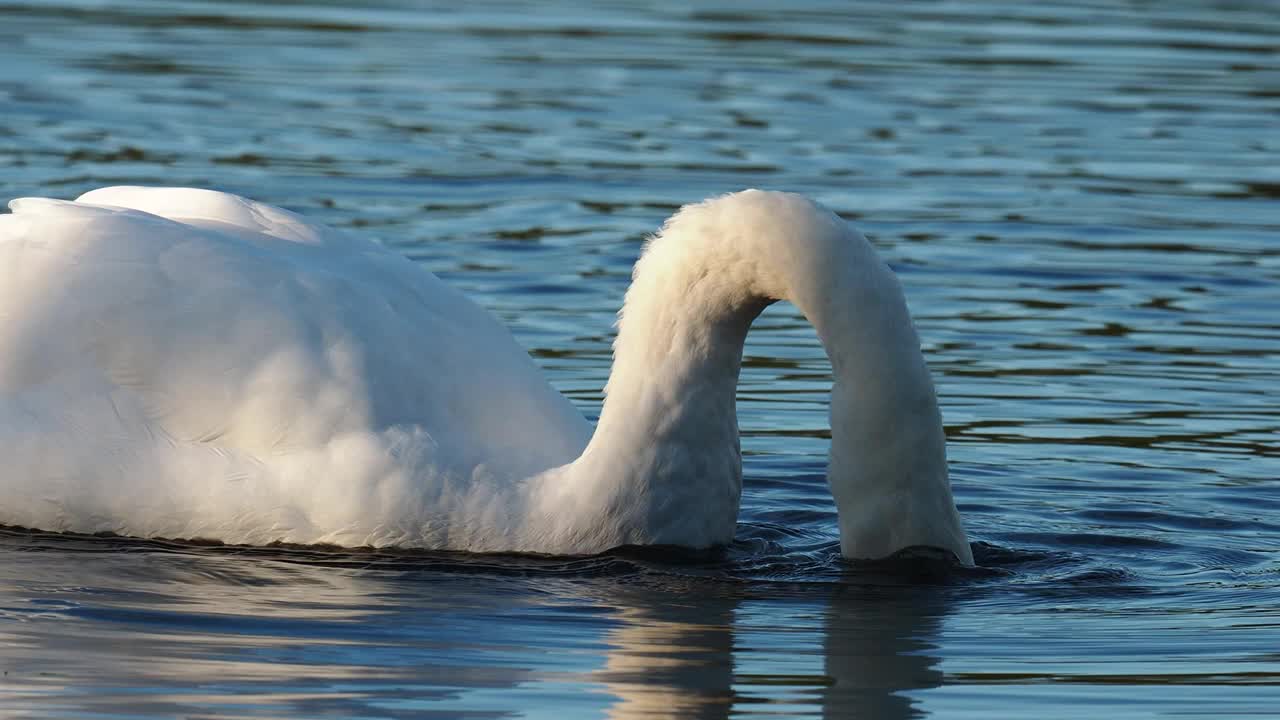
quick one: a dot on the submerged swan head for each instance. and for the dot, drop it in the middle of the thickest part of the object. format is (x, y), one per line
(664, 461)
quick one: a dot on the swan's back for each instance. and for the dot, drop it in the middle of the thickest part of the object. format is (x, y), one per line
(187, 363)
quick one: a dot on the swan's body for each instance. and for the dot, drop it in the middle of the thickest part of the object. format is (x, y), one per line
(190, 364)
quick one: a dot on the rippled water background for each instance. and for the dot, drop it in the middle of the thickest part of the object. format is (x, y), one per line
(1082, 200)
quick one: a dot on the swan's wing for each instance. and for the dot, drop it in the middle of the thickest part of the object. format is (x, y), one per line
(196, 207)
(203, 322)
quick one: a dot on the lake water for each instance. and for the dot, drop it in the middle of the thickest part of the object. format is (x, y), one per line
(1082, 200)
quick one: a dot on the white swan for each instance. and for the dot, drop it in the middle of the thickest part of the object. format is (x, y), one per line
(191, 364)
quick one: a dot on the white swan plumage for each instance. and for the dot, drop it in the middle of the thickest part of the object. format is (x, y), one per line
(187, 363)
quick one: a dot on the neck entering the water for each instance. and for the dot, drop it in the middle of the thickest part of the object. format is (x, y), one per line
(888, 464)
(664, 466)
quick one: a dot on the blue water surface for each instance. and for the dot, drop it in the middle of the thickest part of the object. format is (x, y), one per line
(1081, 199)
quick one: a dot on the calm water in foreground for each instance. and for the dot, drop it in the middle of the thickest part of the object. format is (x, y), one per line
(1083, 204)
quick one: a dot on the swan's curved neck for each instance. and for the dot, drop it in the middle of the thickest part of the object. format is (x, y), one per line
(665, 458)
(664, 461)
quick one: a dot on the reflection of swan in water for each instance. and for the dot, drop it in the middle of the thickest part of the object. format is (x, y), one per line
(703, 655)
(671, 658)
(877, 646)
(348, 643)
(186, 363)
